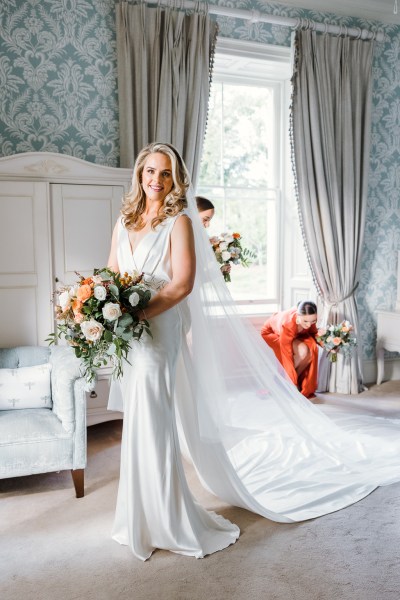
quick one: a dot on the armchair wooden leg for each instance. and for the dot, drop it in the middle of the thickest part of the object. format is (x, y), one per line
(78, 476)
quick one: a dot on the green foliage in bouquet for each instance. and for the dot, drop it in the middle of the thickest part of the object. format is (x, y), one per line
(99, 318)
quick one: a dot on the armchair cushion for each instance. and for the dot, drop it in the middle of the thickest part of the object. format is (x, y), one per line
(23, 356)
(25, 387)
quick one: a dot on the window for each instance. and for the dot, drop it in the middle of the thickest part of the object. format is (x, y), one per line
(245, 156)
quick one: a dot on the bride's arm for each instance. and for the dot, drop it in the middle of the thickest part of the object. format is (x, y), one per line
(183, 263)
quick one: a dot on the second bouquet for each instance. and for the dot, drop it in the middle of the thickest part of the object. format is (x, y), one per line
(228, 249)
(98, 317)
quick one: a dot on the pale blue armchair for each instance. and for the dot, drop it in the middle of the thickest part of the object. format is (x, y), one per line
(43, 440)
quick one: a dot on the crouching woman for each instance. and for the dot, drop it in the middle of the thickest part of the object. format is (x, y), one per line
(292, 336)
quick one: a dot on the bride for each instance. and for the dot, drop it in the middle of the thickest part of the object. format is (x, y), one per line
(275, 454)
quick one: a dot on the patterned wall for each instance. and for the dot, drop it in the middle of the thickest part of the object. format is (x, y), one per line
(58, 78)
(58, 93)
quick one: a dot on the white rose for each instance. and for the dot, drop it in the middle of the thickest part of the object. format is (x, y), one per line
(92, 330)
(228, 239)
(111, 311)
(223, 246)
(64, 300)
(134, 298)
(73, 290)
(226, 255)
(100, 292)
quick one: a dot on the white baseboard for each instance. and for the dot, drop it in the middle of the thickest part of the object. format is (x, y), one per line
(101, 415)
(392, 370)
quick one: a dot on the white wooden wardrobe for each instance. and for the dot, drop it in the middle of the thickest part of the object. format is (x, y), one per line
(57, 214)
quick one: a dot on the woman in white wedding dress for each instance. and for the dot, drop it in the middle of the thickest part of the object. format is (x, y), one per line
(273, 453)
(155, 508)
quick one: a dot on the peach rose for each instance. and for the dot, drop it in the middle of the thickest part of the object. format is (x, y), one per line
(78, 318)
(345, 329)
(76, 306)
(84, 292)
(337, 341)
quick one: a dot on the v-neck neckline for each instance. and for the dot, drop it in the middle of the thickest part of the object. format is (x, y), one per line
(133, 252)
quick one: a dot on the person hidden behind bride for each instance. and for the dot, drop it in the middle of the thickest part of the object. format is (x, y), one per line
(291, 335)
(206, 212)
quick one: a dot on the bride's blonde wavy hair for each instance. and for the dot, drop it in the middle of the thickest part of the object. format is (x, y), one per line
(134, 202)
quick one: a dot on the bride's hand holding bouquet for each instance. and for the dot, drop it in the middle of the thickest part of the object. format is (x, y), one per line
(99, 317)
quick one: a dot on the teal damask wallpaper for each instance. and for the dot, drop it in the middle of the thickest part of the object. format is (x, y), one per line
(58, 93)
(58, 78)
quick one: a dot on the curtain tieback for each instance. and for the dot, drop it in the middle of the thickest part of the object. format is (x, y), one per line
(329, 303)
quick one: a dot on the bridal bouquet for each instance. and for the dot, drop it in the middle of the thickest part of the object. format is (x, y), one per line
(98, 317)
(337, 338)
(228, 249)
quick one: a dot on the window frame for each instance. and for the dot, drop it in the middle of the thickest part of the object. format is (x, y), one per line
(277, 62)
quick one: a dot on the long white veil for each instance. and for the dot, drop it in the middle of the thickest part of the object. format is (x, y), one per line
(254, 440)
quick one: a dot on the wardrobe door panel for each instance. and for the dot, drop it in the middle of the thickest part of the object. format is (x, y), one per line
(25, 265)
(83, 219)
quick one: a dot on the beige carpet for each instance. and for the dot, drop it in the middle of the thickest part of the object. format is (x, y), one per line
(55, 547)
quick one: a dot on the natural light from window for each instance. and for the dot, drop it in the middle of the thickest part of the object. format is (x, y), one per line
(241, 172)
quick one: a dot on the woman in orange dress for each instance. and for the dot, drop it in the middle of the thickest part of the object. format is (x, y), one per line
(291, 334)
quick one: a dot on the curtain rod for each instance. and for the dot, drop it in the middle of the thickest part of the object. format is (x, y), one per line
(255, 16)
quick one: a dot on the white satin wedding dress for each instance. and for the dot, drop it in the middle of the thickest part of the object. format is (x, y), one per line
(155, 508)
(254, 440)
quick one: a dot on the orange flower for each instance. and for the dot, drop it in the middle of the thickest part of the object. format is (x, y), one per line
(337, 341)
(76, 306)
(84, 292)
(236, 236)
(87, 281)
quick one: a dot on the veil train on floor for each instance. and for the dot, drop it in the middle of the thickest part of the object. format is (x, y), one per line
(254, 440)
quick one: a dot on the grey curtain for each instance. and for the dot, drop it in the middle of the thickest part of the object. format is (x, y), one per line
(331, 120)
(164, 69)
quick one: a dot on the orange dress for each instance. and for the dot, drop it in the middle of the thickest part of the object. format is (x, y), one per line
(279, 331)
